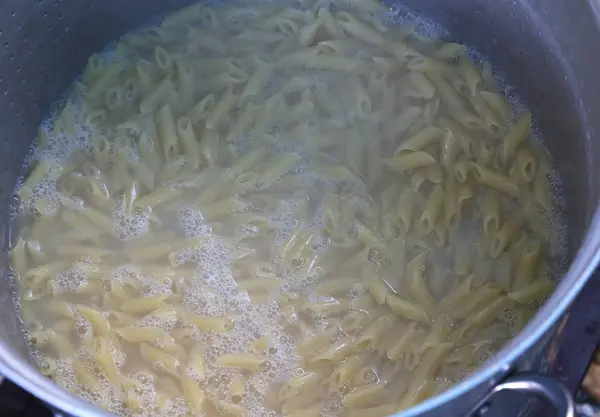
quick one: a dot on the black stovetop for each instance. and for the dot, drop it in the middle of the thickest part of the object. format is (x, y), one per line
(15, 402)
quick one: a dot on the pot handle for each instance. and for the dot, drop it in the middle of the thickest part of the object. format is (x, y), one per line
(546, 388)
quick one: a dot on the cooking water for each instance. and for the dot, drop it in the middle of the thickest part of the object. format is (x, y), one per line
(272, 208)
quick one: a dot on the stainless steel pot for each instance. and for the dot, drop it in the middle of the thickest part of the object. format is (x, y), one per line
(546, 48)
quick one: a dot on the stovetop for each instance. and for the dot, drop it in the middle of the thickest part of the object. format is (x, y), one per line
(15, 402)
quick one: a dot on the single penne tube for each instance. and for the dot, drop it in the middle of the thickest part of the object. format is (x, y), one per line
(336, 286)
(420, 140)
(332, 353)
(256, 84)
(499, 105)
(297, 384)
(85, 376)
(525, 165)
(261, 344)
(468, 353)
(227, 409)
(203, 109)
(505, 235)
(471, 75)
(310, 344)
(167, 363)
(404, 212)
(407, 309)
(141, 334)
(143, 72)
(448, 150)
(144, 304)
(107, 78)
(237, 391)
(486, 315)
(418, 392)
(373, 334)
(187, 136)
(459, 293)
(61, 308)
(404, 121)
(193, 393)
(253, 363)
(265, 115)
(364, 396)
(491, 121)
(98, 218)
(150, 154)
(18, 257)
(246, 161)
(222, 108)
(409, 160)
(490, 213)
(277, 168)
(492, 179)
(242, 122)
(438, 333)
(482, 296)
(450, 97)
(167, 132)
(306, 411)
(101, 352)
(431, 212)
(158, 95)
(207, 323)
(149, 252)
(99, 254)
(326, 308)
(377, 79)
(185, 85)
(415, 282)
(528, 263)
(378, 288)
(330, 24)
(533, 292)
(345, 371)
(38, 276)
(209, 146)
(35, 251)
(515, 136)
(451, 208)
(157, 197)
(400, 344)
(224, 207)
(358, 29)
(99, 322)
(131, 388)
(421, 87)
(449, 51)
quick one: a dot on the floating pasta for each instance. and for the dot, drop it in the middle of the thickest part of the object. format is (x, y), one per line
(290, 209)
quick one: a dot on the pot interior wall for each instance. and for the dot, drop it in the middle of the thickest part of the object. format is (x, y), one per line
(546, 55)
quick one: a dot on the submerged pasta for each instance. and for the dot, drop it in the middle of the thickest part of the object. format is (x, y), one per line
(278, 209)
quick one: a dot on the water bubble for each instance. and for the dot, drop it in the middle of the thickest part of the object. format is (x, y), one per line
(265, 366)
(214, 381)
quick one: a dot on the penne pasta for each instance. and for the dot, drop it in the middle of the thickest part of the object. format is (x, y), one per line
(264, 208)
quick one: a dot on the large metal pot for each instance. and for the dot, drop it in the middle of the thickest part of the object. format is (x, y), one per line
(546, 48)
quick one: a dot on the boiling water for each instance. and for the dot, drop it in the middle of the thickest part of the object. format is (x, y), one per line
(349, 205)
